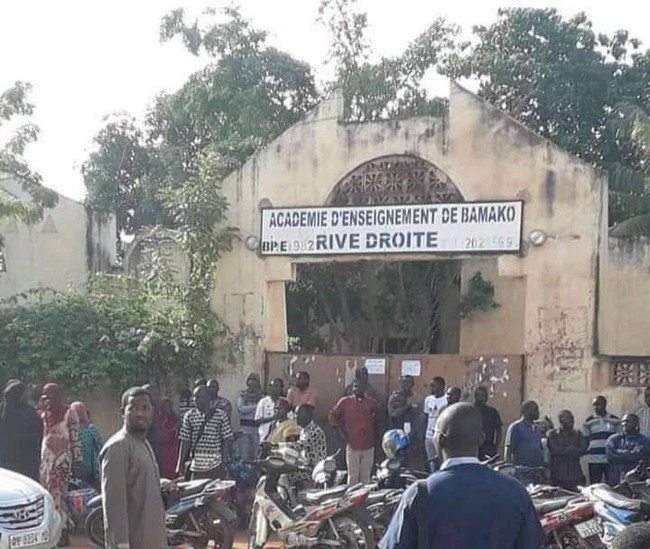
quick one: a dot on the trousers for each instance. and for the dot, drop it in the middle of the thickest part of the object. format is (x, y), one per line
(433, 461)
(359, 464)
(598, 472)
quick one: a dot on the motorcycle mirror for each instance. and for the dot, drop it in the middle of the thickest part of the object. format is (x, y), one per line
(393, 465)
(329, 466)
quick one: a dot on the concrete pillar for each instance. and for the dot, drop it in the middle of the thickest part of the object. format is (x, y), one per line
(275, 317)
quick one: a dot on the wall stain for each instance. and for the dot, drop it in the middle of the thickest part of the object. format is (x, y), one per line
(550, 191)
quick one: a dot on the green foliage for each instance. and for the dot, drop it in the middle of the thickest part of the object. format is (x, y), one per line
(14, 105)
(479, 296)
(635, 226)
(199, 210)
(119, 333)
(244, 99)
(392, 87)
(124, 331)
(117, 174)
(586, 92)
(370, 306)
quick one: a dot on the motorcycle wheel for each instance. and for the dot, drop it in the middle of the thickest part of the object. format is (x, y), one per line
(353, 529)
(219, 536)
(254, 522)
(568, 538)
(94, 526)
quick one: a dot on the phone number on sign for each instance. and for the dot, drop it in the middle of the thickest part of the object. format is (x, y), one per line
(386, 242)
(487, 243)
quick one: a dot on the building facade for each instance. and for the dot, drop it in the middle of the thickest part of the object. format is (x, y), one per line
(563, 301)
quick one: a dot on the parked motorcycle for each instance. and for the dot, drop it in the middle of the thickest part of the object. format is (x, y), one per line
(573, 526)
(567, 518)
(619, 507)
(200, 514)
(324, 518)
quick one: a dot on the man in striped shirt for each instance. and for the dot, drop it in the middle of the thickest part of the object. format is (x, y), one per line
(597, 429)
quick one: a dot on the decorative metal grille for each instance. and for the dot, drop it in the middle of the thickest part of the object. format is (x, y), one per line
(395, 179)
(633, 372)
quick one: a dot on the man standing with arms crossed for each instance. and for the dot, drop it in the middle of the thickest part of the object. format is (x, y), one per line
(354, 418)
(134, 515)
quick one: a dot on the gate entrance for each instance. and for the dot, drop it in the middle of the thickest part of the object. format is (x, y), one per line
(502, 375)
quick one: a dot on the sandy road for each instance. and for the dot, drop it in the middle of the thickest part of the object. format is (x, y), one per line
(81, 542)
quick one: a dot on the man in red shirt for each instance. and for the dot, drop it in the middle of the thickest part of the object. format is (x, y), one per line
(354, 418)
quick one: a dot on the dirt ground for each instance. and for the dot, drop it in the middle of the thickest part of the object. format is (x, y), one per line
(81, 542)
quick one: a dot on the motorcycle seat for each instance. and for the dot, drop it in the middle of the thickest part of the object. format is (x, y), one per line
(192, 487)
(549, 505)
(377, 496)
(311, 497)
(608, 496)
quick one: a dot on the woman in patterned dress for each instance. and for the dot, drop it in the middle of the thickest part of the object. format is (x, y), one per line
(91, 444)
(61, 449)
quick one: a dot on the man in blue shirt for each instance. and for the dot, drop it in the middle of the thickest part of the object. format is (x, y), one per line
(625, 450)
(523, 446)
(464, 505)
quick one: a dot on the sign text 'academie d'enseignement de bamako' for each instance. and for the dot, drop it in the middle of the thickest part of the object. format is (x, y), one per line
(485, 227)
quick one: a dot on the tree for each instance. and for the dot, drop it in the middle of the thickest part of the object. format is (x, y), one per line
(571, 85)
(373, 306)
(14, 104)
(118, 176)
(249, 95)
(393, 86)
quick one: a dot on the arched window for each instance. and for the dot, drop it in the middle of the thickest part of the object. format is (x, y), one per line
(394, 179)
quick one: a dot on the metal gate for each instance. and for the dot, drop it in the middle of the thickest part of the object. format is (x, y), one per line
(502, 375)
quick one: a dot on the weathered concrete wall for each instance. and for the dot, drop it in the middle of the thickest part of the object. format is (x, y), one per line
(482, 327)
(547, 296)
(58, 252)
(623, 319)
(495, 157)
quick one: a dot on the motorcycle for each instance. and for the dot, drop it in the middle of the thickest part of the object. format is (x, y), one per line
(200, 514)
(573, 526)
(323, 518)
(567, 518)
(616, 508)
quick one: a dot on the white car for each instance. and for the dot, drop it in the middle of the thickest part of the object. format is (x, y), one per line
(27, 514)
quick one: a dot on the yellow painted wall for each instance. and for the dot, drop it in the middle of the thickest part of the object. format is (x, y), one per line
(547, 296)
(624, 319)
(53, 253)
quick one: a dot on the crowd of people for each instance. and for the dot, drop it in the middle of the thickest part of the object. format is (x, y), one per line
(52, 442)
(48, 441)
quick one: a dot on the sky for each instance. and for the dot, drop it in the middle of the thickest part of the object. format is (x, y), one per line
(88, 59)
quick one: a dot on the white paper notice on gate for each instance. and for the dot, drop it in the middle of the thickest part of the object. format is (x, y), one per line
(375, 366)
(411, 368)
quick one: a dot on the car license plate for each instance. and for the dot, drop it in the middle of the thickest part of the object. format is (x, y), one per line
(588, 528)
(29, 540)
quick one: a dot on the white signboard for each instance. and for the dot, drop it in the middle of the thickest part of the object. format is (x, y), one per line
(411, 368)
(462, 228)
(375, 366)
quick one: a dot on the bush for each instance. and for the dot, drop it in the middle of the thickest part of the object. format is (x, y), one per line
(119, 333)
